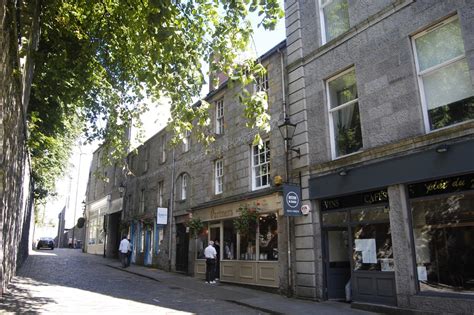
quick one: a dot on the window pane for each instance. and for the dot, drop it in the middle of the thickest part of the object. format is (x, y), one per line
(334, 217)
(451, 114)
(370, 214)
(230, 240)
(443, 230)
(347, 130)
(247, 247)
(342, 89)
(201, 244)
(447, 85)
(268, 237)
(372, 248)
(336, 18)
(439, 45)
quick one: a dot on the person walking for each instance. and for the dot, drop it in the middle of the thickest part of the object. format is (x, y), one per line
(210, 254)
(123, 250)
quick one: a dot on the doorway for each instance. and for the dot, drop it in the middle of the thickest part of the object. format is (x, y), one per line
(337, 262)
(182, 248)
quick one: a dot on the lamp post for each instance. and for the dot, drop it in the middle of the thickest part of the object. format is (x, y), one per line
(287, 130)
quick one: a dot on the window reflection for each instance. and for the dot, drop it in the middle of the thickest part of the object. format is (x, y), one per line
(372, 247)
(268, 237)
(230, 240)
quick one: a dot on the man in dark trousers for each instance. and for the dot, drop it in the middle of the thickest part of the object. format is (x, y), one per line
(218, 259)
(210, 254)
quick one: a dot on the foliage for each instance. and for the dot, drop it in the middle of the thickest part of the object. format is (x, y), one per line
(98, 62)
(246, 222)
(196, 226)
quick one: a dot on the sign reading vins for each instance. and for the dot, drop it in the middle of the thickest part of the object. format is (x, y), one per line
(368, 198)
(442, 186)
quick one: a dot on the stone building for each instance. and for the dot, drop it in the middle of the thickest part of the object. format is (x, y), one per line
(212, 184)
(382, 94)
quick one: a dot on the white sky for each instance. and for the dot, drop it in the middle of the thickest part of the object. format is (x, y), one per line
(153, 121)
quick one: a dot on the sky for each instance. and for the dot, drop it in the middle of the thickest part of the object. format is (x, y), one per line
(74, 183)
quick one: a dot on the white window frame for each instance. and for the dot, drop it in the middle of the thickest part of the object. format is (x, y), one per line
(186, 141)
(332, 136)
(184, 186)
(264, 149)
(145, 164)
(219, 176)
(321, 19)
(163, 148)
(421, 74)
(220, 116)
(160, 193)
(262, 84)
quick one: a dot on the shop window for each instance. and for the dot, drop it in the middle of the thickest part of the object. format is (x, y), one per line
(201, 244)
(334, 15)
(248, 250)
(343, 106)
(372, 247)
(261, 166)
(100, 230)
(443, 230)
(230, 240)
(268, 237)
(443, 75)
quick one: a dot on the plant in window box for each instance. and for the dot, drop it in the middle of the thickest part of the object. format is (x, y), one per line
(196, 227)
(246, 222)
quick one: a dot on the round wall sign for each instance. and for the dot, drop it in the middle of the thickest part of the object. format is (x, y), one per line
(292, 199)
(305, 209)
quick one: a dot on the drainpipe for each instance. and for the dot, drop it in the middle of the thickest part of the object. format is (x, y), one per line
(170, 210)
(286, 144)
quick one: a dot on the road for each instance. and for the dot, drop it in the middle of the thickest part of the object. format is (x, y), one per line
(67, 281)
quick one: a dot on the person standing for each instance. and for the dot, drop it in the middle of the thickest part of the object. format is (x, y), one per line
(129, 252)
(218, 260)
(123, 250)
(210, 254)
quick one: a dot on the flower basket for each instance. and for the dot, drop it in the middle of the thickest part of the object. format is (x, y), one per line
(246, 222)
(196, 226)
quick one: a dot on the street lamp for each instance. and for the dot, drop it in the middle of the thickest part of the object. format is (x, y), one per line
(287, 130)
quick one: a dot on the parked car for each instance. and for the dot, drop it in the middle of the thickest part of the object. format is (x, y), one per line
(45, 242)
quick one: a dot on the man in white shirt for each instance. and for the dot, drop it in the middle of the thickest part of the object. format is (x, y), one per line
(210, 254)
(123, 251)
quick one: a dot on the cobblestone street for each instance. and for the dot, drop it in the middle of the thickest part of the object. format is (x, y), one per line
(66, 281)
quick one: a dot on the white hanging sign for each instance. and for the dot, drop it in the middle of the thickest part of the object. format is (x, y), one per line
(162, 216)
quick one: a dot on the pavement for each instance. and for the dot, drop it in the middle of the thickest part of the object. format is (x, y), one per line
(260, 300)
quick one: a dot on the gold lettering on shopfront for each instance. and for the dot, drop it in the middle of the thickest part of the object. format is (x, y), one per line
(441, 185)
(217, 214)
(330, 204)
(376, 197)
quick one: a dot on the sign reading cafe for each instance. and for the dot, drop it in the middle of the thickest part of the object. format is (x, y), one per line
(291, 200)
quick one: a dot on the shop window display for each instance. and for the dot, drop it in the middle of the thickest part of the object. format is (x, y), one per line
(268, 237)
(248, 246)
(201, 244)
(443, 230)
(230, 241)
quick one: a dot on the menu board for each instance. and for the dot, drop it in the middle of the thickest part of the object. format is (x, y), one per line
(367, 248)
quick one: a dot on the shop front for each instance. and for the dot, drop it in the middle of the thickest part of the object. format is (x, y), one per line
(250, 257)
(357, 248)
(400, 231)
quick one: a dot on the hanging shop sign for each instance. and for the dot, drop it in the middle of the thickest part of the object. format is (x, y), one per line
(162, 216)
(292, 200)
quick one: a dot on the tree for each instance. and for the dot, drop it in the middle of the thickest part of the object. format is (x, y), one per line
(98, 60)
